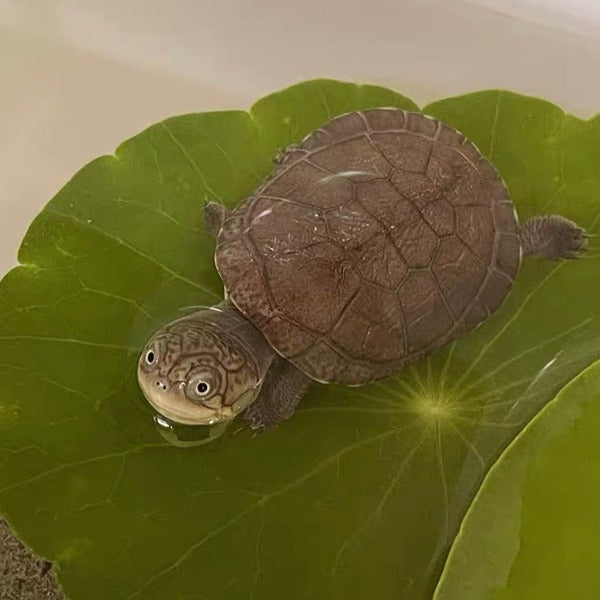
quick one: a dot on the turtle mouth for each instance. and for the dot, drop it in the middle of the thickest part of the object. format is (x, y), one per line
(173, 404)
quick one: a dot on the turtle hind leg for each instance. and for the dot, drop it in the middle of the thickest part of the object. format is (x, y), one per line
(282, 389)
(553, 237)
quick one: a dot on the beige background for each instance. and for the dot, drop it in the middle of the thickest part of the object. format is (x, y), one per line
(79, 76)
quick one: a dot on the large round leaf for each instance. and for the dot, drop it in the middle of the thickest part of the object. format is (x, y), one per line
(363, 490)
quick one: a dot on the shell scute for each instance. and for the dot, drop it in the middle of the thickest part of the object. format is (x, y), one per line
(354, 158)
(304, 297)
(385, 119)
(323, 360)
(451, 257)
(404, 150)
(418, 123)
(366, 319)
(439, 214)
(346, 126)
(475, 227)
(424, 310)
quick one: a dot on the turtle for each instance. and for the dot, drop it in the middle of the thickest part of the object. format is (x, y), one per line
(380, 237)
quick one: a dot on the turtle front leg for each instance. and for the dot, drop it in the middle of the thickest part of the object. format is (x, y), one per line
(214, 217)
(553, 237)
(282, 389)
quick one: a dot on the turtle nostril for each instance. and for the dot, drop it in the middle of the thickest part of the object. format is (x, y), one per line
(161, 384)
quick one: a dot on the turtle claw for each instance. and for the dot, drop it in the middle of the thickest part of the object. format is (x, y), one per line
(256, 421)
(572, 255)
(578, 243)
(575, 249)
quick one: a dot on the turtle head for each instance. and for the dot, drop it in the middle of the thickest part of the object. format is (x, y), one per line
(195, 372)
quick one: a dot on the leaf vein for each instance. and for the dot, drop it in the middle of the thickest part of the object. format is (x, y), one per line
(135, 250)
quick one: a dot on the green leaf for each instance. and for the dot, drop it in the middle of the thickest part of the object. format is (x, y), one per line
(364, 489)
(533, 527)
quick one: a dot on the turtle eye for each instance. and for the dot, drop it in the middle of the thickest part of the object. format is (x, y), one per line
(202, 388)
(150, 357)
(202, 385)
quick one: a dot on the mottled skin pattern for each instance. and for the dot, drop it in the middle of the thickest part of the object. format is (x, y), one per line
(204, 368)
(378, 238)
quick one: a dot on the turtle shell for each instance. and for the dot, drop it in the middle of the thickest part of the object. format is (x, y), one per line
(380, 237)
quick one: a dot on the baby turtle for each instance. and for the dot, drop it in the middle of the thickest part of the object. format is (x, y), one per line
(377, 239)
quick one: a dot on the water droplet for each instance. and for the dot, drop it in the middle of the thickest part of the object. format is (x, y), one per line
(162, 422)
(90, 221)
(185, 436)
